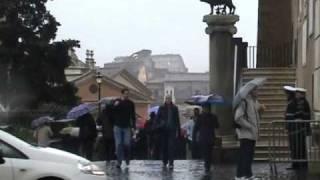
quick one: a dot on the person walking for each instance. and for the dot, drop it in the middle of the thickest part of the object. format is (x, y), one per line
(169, 122)
(105, 120)
(87, 135)
(150, 135)
(192, 139)
(205, 125)
(124, 118)
(247, 117)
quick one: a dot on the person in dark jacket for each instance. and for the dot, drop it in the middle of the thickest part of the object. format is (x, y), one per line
(205, 125)
(169, 122)
(105, 120)
(87, 134)
(124, 118)
(300, 130)
(289, 117)
(150, 135)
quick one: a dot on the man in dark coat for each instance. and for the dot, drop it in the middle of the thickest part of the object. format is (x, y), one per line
(105, 120)
(205, 125)
(169, 122)
(300, 130)
(87, 134)
(124, 118)
(289, 117)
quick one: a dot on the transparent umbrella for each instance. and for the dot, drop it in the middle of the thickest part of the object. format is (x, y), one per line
(246, 89)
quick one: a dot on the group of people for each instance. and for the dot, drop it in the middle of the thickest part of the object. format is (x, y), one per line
(163, 130)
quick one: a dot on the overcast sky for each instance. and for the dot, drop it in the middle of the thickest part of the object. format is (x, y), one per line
(120, 27)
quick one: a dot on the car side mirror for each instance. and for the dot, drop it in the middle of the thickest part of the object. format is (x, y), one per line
(2, 161)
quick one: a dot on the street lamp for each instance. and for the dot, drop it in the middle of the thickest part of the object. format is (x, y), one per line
(99, 80)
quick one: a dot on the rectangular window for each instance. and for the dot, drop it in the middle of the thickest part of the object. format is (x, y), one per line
(316, 94)
(310, 17)
(304, 43)
(317, 53)
(317, 18)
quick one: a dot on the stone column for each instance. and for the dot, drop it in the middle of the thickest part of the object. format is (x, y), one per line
(221, 29)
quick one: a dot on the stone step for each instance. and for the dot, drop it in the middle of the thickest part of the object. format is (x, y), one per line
(270, 78)
(270, 69)
(274, 110)
(272, 100)
(272, 116)
(261, 73)
(265, 154)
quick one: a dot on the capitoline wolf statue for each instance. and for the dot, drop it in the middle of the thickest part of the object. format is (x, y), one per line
(221, 6)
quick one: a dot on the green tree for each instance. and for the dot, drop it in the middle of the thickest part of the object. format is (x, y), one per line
(32, 64)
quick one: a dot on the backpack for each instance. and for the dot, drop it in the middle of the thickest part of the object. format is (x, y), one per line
(235, 124)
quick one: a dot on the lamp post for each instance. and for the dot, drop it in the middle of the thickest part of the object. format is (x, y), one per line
(99, 80)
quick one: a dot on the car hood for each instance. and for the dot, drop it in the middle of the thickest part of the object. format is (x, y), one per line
(54, 155)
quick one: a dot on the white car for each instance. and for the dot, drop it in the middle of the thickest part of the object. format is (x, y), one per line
(22, 161)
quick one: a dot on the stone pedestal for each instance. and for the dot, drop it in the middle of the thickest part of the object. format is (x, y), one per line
(221, 30)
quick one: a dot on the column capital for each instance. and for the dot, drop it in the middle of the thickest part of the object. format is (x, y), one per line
(221, 23)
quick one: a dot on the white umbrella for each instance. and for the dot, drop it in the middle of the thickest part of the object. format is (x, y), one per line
(246, 89)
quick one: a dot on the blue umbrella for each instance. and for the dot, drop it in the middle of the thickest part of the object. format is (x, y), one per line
(205, 99)
(153, 109)
(80, 110)
(41, 121)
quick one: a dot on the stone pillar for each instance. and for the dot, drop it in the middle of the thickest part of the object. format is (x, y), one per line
(221, 29)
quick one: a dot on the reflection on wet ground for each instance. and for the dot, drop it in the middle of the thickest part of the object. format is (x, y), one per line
(193, 170)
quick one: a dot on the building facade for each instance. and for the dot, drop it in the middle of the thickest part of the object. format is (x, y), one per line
(296, 22)
(306, 34)
(180, 86)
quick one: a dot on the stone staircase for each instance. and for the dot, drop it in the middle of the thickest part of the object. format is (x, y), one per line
(271, 94)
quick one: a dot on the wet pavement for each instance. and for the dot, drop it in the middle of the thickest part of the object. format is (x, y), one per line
(193, 170)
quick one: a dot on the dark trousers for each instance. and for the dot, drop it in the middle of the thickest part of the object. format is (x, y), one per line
(297, 144)
(206, 152)
(246, 155)
(109, 149)
(168, 144)
(195, 150)
(86, 148)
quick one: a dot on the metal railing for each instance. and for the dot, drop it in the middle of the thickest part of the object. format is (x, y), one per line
(294, 141)
(279, 56)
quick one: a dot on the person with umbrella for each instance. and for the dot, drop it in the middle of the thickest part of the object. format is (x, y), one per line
(105, 120)
(42, 132)
(247, 116)
(205, 127)
(87, 134)
(87, 127)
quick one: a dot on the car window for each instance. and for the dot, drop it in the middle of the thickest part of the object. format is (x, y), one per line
(10, 152)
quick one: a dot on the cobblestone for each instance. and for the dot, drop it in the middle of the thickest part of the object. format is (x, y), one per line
(193, 170)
